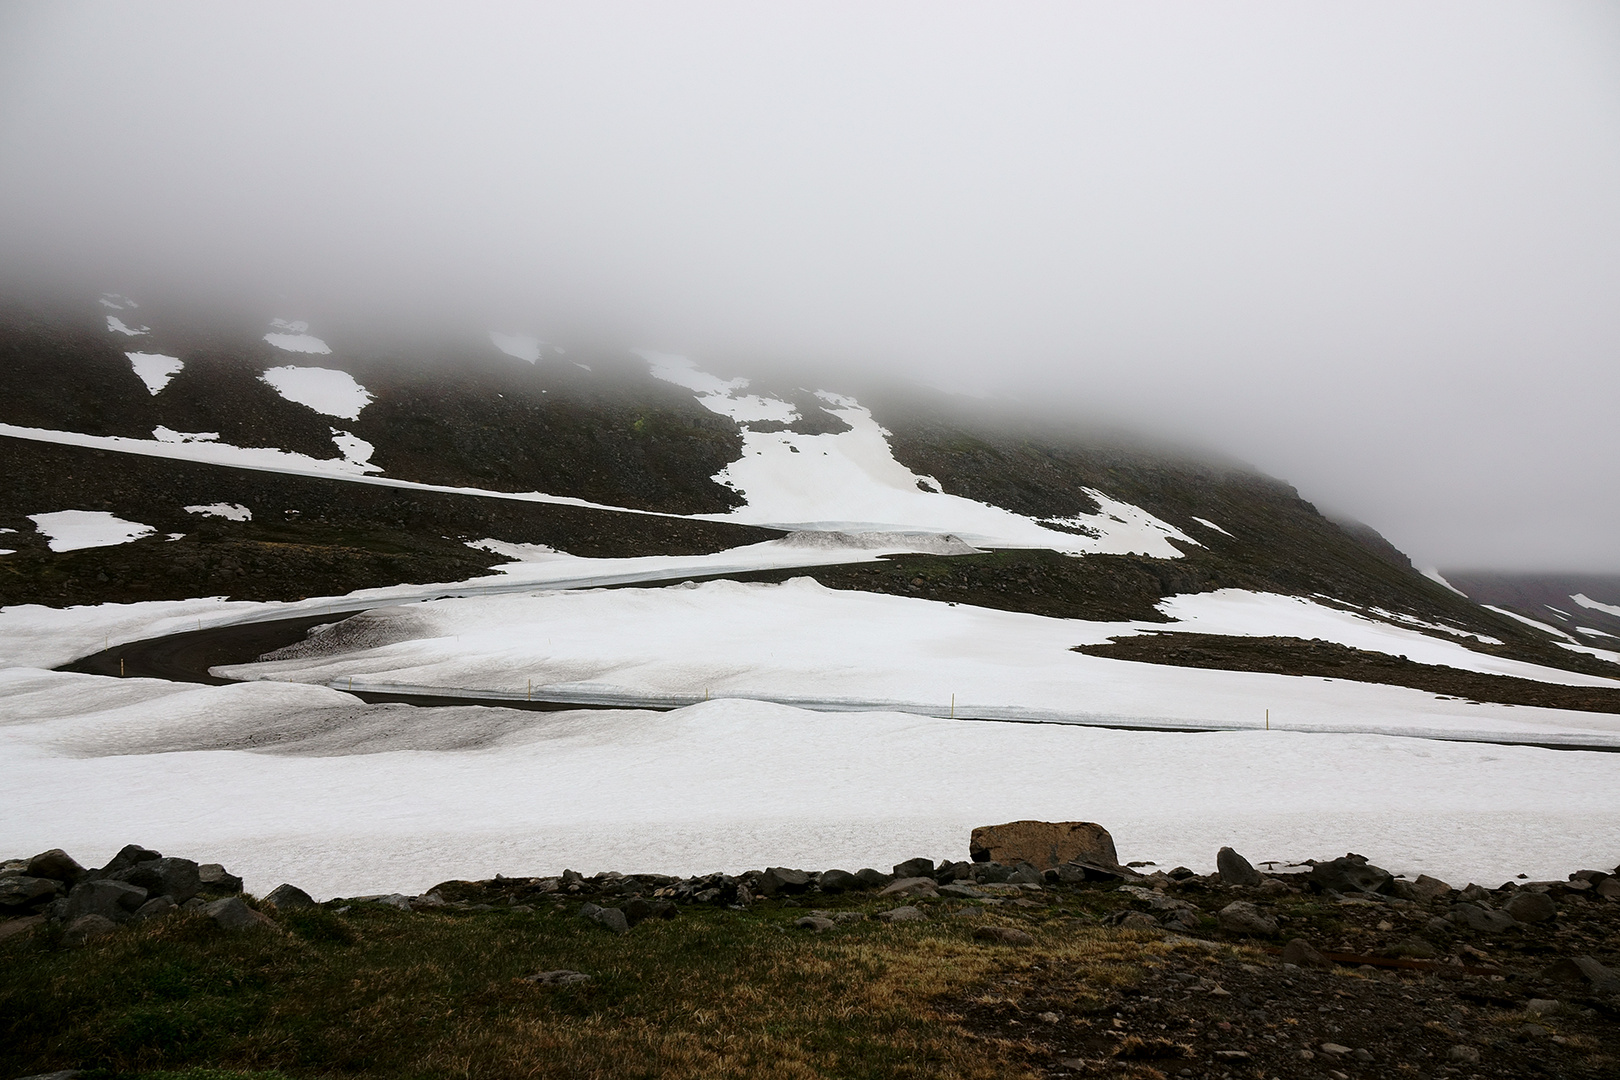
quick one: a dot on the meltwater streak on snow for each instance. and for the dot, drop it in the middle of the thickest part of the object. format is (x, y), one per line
(70, 530)
(804, 644)
(332, 393)
(155, 369)
(736, 785)
(520, 346)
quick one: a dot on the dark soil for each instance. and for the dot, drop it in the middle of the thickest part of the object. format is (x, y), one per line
(1325, 659)
(308, 537)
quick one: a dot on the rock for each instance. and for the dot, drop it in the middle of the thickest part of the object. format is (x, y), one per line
(1609, 888)
(1002, 935)
(846, 916)
(779, 879)
(967, 892)
(1482, 919)
(638, 910)
(164, 877)
(873, 879)
(1531, 907)
(216, 879)
(817, 923)
(1474, 894)
(1415, 948)
(1025, 874)
(12, 927)
(1044, 844)
(1302, 953)
(55, 864)
(1242, 917)
(1540, 1006)
(901, 914)
(232, 914)
(1336, 1049)
(912, 886)
(1138, 920)
(289, 898)
(611, 917)
(115, 900)
(835, 881)
(1350, 874)
(395, 900)
(22, 890)
(1427, 889)
(965, 913)
(129, 855)
(1467, 1055)
(86, 927)
(914, 868)
(1234, 869)
(155, 907)
(1582, 972)
(557, 978)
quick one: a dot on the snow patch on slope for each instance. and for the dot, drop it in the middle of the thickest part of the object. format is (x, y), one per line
(1587, 602)
(116, 325)
(70, 530)
(1208, 524)
(294, 338)
(154, 369)
(521, 346)
(1433, 574)
(327, 391)
(716, 394)
(229, 511)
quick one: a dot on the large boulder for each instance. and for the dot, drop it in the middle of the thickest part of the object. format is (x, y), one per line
(55, 864)
(1427, 889)
(1583, 973)
(232, 914)
(1242, 917)
(288, 897)
(177, 878)
(115, 900)
(913, 868)
(1483, 919)
(840, 881)
(216, 879)
(1043, 844)
(1352, 873)
(780, 879)
(22, 891)
(1531, 907)
(1235, 869)
(128, 856)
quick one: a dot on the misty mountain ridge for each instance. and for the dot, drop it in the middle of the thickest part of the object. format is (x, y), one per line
(283, 463)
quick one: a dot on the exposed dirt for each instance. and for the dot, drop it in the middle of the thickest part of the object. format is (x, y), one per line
(1326, 659)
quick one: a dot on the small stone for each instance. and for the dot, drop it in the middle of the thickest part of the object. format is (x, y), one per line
(233, 914)
(1242, 917)
(1540, 1006)
(1483, 919)
(816, 923)
(1335, 1049)
(1351, 874)
(967, 892)
(873, 879)
(1362, 1055)
(89, 926)
(289, 897)
(1002, 935)
(849, 917)
(1233, 1055)
(1583, 972)
(1139, 920)
(612, 918)
(1467, 1055)
(901, 914)
(13, 927)
(969, 913)
(55, 864)
(165, 877)
(1529, 906)
(155, 907)
(1302, 953)
(557, 978)
(1234, 869)
(1049, 1018)
(1532, 1031)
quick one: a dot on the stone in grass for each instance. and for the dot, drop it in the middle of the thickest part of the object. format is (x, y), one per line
(1465, 1055)
(781, 879)
(1302, 953)
(817, 923)
(609, 917)
(1002, 935)
(289, 897)
(1242, 917)
(1235, 869)
(901, 914)
(911, 886)
(1528, 906)
(840, 881)
(873, 879)
(13, 927)
(557, 978)
(156, 907)
(232, 914)
(395, 900)
(55, 864)
(61, 1074)
(1139, 920)
(86, 927)
(115, 900)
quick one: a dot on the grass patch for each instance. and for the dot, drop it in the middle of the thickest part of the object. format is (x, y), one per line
(374, 992)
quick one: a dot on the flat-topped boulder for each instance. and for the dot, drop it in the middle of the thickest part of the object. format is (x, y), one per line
(1043, 844)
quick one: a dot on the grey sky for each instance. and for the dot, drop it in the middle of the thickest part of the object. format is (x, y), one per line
(1373, 248)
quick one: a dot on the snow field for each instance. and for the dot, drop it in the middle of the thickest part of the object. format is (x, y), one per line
(804, 644)
(70, 530)
(735, 785)
(330, 392)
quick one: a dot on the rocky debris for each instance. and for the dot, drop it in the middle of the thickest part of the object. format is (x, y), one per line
(116, 901)
(1584, 973)
(1138, 920)
(911, 886)
(90, 926)
(1234, 869)
(55, 864)
(233, 914)
(1044, 844)
(23, 891)
(1483, 918)
(1242, 917)
(156, 907)
(130, 855)
(24, 925)
(1002, 935)
(557, 978)
(177, 879)
(638, 910)
(289, 897)
(817, 923)
(1302, 953)
(610, 917)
